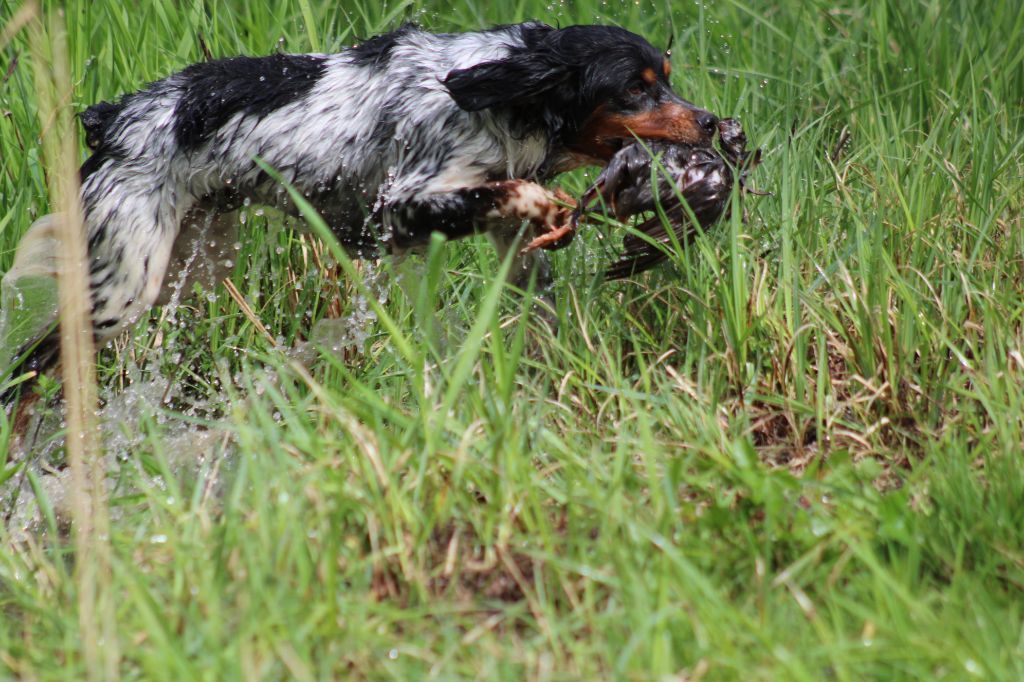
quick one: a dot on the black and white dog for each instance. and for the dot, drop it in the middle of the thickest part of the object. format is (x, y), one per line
(407, 133)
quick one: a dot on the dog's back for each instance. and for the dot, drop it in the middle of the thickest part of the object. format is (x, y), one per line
(327, 122)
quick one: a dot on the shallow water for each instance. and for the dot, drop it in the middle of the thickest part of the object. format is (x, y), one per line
(139, 437)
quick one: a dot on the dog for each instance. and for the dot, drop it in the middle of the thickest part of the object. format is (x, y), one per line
(406, 134)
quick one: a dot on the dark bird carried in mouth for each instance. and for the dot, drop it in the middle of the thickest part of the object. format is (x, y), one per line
(646, 175)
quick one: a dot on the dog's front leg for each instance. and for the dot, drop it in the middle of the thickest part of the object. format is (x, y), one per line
(510, 212)
(484, 208)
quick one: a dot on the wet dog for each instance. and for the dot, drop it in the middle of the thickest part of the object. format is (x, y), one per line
(405, 134)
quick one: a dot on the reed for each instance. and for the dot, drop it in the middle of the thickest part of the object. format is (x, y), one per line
(89, 519)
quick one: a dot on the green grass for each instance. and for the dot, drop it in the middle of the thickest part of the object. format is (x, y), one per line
(793, 453)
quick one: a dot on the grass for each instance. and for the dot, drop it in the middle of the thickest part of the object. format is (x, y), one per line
(792, 453)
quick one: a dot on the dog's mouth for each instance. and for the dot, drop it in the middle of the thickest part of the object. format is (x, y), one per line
(729, 140)
(606, 132)
(610, 146)
(602, 148)
(613, 145)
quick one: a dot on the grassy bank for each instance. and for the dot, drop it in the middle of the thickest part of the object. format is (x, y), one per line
(795, 452)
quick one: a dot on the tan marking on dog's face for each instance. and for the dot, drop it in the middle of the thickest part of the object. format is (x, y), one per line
(666, 67)
(649, 76)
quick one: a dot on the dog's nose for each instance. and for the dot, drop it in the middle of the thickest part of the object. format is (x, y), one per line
(708, 123)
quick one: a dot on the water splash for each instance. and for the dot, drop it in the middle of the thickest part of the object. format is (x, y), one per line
(351, 331)
(126, 420)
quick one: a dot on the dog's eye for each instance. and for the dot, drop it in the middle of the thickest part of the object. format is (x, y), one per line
(635, 91)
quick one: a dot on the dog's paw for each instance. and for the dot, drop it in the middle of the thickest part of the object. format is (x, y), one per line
(555, 239)
(552, 241)
(559, 225)
(529, 201)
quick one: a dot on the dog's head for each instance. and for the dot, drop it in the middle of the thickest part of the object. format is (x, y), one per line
(594, 87)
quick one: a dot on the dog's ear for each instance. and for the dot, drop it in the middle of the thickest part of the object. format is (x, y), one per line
(513, 81)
